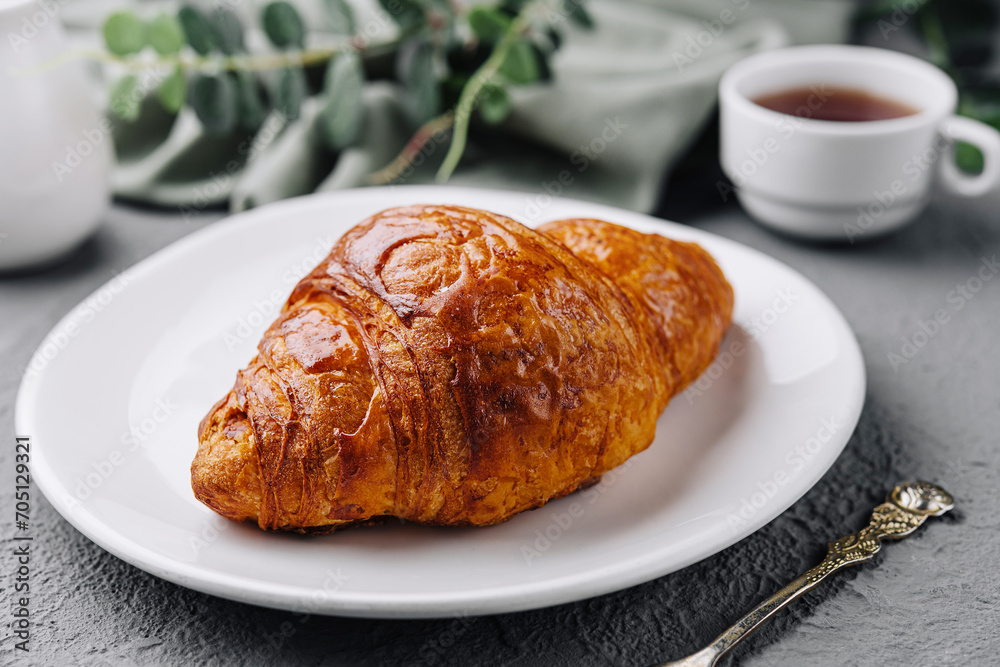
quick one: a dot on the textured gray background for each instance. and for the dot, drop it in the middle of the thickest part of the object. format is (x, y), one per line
(932, 599)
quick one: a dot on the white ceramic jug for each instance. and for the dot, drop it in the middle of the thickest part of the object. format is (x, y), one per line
(55, 145)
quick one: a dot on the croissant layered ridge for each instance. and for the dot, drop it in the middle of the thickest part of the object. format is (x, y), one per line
(450, 366)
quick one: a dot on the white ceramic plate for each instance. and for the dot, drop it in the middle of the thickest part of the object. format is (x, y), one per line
(114, 395)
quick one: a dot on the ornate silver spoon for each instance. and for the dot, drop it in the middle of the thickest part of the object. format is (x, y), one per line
(908, 506)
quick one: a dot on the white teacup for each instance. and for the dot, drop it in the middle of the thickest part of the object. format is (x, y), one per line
(55, 146)
(830, 180)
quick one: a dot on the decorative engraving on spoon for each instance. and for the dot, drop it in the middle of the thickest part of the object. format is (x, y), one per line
(907, 507)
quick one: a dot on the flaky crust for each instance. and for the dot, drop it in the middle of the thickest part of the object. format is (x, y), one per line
(450, 366)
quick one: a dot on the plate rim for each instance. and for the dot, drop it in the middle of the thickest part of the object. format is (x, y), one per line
(487, 600)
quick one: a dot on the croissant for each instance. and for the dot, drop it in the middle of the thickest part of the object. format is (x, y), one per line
(450, 366)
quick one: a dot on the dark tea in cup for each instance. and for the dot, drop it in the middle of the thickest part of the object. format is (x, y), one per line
(851, 105)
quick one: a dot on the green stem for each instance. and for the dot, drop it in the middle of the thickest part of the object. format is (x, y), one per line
(428, 131)
(937, 43)
(475, 85)
(245, 62)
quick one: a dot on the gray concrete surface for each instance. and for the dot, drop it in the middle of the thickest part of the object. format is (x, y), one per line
(932, 599)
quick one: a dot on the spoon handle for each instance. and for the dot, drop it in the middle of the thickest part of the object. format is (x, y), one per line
(908, 507)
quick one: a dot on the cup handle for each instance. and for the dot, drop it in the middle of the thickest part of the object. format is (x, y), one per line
(983, 137)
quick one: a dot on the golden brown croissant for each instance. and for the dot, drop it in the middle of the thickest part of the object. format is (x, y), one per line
(450, 366)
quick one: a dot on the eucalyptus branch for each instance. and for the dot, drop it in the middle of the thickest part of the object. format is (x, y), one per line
(202, 61)
(241, 62)
(937, 42)
(194, 63)
(413, 147)
(483, 76)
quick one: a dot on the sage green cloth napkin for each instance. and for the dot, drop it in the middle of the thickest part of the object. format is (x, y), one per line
(626, 100)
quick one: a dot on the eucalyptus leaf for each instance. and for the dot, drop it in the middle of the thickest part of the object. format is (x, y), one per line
(555, 38)
(513, 7)
(494, 105)
(251, 106)
(407, 13)
(228, 30)
(415, 69)
(876, 9)
(969, 158)
(172, 91)
(488, 23)
(213, 97)
(283, 25)
(197, 29)
(966, 28)
(542, 60)
(521, 64)
(342, 116)
(166, 35)
(290, 90)
(579, 14)
(340, 17)
(126, 97)
(124, 33)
